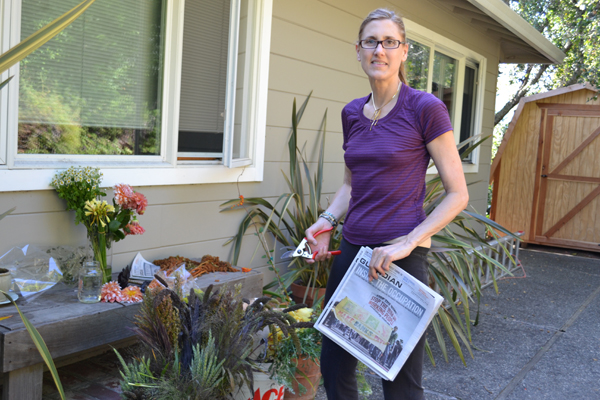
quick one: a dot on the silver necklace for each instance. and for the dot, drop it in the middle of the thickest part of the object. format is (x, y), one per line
(378, 110)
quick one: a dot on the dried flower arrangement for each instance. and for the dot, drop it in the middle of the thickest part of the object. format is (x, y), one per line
(199, 349)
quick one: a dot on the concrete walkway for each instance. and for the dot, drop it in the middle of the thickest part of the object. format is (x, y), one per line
(538, 338)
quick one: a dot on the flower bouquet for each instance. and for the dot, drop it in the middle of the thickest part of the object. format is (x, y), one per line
(105, 223)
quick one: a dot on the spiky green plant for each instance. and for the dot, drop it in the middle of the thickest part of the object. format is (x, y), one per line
(209, 358)
(455, 272)
(138, 381)
(292, 213)
(206, 369)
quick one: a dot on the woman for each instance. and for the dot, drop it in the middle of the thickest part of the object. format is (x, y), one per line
(389, 137)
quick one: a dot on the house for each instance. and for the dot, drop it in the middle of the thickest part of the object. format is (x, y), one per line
(191, 103)
(545, 173)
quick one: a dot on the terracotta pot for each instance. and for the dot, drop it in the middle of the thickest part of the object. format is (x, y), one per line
(298, 292)
(309, 378)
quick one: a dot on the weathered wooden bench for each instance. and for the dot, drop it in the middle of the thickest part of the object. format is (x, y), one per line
(75, 330)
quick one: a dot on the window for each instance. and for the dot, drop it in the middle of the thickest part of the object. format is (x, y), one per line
(417, 65)
(469, 103)
(95, 88)
(202, 109)
(443, 85)
(132, 86)
(452, 73)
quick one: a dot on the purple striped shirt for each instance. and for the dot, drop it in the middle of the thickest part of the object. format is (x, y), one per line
(388, 165)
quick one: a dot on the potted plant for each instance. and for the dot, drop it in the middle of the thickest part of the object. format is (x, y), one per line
(288, 218)
(296, 365)
(197, 347)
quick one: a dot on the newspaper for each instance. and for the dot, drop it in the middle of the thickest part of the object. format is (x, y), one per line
(142, 269)
(380, 322)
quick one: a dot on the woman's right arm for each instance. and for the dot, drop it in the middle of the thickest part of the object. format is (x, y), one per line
(338, 208)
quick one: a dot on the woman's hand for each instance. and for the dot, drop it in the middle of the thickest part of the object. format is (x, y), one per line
(320, 243)
(383, 256)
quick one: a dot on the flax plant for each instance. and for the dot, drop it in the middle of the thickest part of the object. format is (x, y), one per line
(455, 268)
(292, 213)
(39, 38)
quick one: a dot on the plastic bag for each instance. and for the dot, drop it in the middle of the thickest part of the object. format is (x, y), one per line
(33, 270)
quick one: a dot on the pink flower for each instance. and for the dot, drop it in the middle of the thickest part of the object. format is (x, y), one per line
(111, 292)
(124, 195)
(141, 202)
(134, 228)
(129, 199)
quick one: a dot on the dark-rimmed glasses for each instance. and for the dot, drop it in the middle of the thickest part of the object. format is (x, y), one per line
(386, 44)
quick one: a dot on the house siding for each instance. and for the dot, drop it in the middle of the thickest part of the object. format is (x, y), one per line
(312, 49)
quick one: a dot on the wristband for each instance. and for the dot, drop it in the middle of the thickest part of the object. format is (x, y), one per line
(329, 217)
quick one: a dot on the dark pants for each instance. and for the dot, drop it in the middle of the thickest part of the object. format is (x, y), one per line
(339, 367)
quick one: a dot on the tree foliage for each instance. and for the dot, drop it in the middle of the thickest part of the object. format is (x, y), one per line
(574, 27)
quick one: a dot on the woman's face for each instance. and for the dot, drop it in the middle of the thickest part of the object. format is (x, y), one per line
(382, 64)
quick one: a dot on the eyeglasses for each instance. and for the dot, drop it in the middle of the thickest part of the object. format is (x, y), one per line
(386, 44)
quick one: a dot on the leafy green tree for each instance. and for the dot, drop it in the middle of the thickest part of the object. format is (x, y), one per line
(574, 27)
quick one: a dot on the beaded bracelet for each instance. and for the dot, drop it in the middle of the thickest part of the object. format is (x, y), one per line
(330, 218)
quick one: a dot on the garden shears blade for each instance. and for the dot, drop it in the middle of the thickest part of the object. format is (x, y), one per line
(304, 251)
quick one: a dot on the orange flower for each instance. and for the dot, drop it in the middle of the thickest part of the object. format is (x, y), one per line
(132, 294)
(240, 203)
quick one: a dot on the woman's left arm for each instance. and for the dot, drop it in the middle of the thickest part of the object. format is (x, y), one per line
(444, 153)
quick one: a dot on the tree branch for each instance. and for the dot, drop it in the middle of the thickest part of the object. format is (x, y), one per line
(522, 92)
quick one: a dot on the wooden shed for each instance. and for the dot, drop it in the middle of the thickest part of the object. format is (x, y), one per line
(546, 174)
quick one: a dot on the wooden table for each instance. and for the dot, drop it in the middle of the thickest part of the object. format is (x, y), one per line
(71, 328)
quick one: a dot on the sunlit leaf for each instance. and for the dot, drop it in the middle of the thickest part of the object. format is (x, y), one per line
(40, 37)
(39, 343)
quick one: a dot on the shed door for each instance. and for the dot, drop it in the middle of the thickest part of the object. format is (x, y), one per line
(568, 200)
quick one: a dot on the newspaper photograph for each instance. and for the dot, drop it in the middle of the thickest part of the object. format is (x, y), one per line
(378, 322)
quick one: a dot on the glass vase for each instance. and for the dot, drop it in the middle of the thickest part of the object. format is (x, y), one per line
(90, 282)
(101, 251)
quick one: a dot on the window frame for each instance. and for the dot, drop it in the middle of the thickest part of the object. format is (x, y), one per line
(34, 172)
(464, 56)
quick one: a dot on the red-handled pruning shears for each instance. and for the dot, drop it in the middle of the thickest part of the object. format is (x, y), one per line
(304, 251)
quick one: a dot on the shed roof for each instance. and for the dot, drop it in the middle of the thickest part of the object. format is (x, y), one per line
(515, 118)
(519, 41)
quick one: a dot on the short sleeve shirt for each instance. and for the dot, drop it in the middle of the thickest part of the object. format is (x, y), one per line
(388, 165)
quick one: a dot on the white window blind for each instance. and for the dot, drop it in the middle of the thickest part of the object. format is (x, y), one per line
(204, 76)
(102, 71)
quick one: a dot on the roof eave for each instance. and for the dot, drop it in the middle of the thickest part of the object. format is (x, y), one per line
(513, 22)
